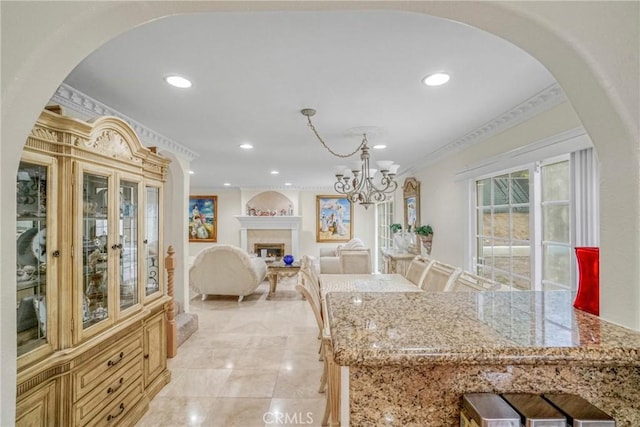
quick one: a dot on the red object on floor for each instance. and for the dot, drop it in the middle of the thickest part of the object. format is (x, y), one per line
(588, 296)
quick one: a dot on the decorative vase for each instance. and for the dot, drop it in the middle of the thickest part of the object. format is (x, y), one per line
(401, 241)
(427, 242)
(414, 244)
(288, 259)
(588, 296)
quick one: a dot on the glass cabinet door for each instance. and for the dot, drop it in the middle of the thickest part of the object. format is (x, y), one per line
(95, 232)
(152, 240)
(128, 245)
(31, 254)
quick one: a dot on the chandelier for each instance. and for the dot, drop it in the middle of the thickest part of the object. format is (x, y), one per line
(357, 183)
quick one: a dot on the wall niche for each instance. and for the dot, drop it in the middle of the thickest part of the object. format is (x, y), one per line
(269, 203)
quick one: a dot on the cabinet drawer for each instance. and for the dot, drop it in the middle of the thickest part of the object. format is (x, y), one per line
(107, 391)
(95, 371)
(118, 409)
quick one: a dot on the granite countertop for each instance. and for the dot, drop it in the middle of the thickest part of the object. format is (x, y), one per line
(409, 328)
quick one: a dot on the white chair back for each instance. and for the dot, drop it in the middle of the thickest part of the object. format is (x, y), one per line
(440, 277)
(417, 270)
(467, 281)
(355, 261)
(310, 282)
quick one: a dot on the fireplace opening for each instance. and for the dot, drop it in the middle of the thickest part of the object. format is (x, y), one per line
(269, 250)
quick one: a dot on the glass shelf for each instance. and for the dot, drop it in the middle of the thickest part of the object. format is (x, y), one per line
(95, 268)
(152, 233)
(31, 246)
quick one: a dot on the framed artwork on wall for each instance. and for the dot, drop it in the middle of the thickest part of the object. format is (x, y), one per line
(203, 218)
(334, 219)
(411, 196)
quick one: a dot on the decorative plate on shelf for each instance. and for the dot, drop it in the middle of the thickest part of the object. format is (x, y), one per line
(32, 246)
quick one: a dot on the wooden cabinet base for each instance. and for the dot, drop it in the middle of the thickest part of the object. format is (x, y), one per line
(107, 381)
(161, 380)
(39, 407)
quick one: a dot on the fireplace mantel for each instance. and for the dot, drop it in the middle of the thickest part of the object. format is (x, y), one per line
(270, 223)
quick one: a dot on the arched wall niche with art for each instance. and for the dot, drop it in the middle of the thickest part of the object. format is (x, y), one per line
(269, 203)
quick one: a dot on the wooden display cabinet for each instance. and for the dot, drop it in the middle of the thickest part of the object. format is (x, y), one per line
(91, 301)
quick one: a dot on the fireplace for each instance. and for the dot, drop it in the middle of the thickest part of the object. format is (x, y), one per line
(269, 230)
(271, 250)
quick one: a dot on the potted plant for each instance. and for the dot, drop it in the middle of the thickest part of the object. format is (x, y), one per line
(426, 236)
(401, 239)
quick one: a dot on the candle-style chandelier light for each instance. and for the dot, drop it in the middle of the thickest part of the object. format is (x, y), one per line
(357, 182)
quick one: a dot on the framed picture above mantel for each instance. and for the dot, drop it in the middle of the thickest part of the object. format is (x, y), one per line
(203, 218)
(334, 219)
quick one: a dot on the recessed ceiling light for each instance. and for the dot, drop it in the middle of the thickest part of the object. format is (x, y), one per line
(436, 79)
(178, 81)
(380, 147)
(246, 146)
(274, 172)
(288, 184)
(191, 172)
(226, 184)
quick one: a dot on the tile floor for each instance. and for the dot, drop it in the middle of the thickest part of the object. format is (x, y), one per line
(253, 363)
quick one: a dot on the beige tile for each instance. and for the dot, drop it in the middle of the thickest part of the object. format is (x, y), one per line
(177, 411)
(250, 324)
(260, 358)
(307, 339)
(196, 382)
(215, 340)
(302, 354)
(244, 359)
(222, 358)
(238, 413)
(249, 383)
(267, 341)
(298, 383)
(291, 412)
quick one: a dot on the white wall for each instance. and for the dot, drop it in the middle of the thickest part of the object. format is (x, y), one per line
(176, 192)
(443, 197)
(232, 202)
(590, 47)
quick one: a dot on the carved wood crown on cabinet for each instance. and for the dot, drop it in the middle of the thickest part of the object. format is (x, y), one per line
(92, 350)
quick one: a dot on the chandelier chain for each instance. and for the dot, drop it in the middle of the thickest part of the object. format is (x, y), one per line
(313, 128)
(357, 184)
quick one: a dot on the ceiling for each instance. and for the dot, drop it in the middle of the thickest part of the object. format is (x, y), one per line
(252, 73)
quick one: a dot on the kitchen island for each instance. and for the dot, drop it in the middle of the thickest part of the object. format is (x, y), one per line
(411, 356)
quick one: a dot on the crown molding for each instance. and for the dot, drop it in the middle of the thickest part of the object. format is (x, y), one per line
(540, 102)
(88, 108)
(326, 189)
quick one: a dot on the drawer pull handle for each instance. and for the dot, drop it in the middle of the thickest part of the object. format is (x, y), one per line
(146, 356)
(115, 387)
(112, 363)
(111, 417)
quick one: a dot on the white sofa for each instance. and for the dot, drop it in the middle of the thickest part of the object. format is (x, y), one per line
(350, 258)
(226, 270)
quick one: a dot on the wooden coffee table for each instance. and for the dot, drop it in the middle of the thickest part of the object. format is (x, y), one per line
(278, 269)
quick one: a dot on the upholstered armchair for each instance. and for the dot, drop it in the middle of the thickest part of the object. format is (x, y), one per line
(226, 270)
(350, 258)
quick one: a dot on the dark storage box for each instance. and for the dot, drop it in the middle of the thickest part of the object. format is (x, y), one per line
(578, 411)
(534, 411)
(488, 410)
